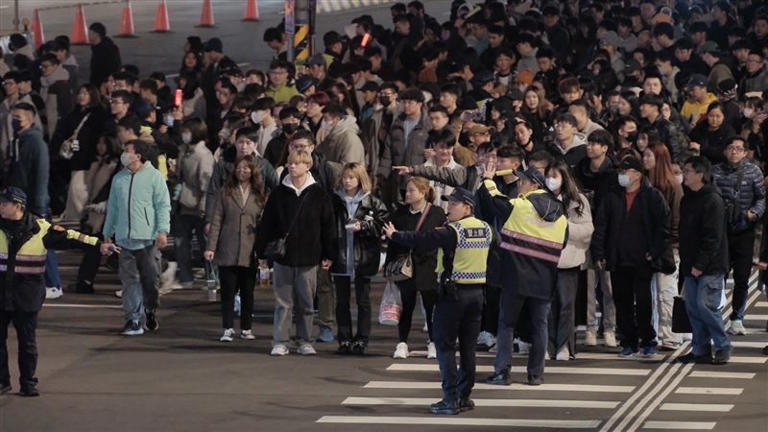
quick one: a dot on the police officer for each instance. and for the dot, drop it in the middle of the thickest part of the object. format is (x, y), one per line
(532, 237)
(24, 243)
(464, 244)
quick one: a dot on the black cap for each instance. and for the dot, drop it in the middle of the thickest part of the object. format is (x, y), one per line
(696, 80)
(304, 83)
(631, 163)
(214, 44)
(461, 195)
(13, 194)
(533, 175)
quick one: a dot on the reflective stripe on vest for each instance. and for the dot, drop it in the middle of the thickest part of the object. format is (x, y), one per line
(30, 258)
(470, 260)
(526, 233)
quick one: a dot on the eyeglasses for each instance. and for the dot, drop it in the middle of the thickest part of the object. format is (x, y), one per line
(8, 83)
(735, 149)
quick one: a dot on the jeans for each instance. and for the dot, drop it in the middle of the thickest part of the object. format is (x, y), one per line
(504, 345)
(663, 292)
(704, 302)
(139, 277)
(561, 318)
(458, 318)
(293, 284)
(632, 292)
(741, 249)
(609, 308)
(234, 279)
(25, 324)
(326, 300)
(343, 314)
(185, 226)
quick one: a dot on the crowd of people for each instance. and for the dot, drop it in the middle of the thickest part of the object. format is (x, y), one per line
(638, 124)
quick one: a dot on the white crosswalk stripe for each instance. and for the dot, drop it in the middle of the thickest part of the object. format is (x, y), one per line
(399, 367)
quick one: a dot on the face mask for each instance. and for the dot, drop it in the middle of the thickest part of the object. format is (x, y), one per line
(614, 109)
(749, 112)
(679, 179)
(632, 137)
(168, 119)
(290, 128)
(553, 184)
(257, 117)
(624, 180)
(325, 124)
(386, 101)
(126, 159)
(16, 124)
(224, 134)
(186, 137)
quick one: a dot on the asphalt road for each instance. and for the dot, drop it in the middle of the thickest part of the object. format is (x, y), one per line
(182, 379)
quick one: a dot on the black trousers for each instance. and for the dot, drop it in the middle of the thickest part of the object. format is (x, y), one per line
(460, 318)
(632, 295)
(232, 280)
(741, 250)
(25, 324)
(531, 317)
(408, 296)
(343, 314)
(492, 296)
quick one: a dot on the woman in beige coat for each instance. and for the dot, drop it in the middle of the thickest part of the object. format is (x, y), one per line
(231, 240)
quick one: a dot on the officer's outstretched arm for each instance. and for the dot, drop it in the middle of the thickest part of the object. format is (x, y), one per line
(60, 238)
(423, 241)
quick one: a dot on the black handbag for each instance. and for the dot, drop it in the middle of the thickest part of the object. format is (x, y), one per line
(276, 249)
(401, 268)
(680, 321)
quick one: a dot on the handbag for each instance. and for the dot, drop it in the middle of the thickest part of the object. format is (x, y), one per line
(71, 144)
(276, 249)
(401, 268)
(680, 321)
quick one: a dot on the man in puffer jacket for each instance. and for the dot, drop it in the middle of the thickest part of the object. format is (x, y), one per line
(342, 145)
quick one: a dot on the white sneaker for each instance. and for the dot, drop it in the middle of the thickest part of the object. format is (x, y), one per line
(431, 351)
(591, 338)
(119, 293)
(401, 351)
(279, 350)
(737, 328)
(425, 329)
(228, 335)
(486, 339)
(610, 339)
(169, 274)
(307, 349)
(247, 334)
(53, 293)
(523, 348)
(564, 354)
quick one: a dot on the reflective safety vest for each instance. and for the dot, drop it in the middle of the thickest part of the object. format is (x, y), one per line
(30, 258)
(470, 260)
(526, 233)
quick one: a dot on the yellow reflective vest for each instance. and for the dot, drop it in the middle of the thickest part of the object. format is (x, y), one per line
(470, 259)
(526, 233)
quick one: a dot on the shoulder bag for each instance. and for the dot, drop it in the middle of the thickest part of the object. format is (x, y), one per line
(401, 268)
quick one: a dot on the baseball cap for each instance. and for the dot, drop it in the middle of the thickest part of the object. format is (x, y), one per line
(316, 60)
(304, 83)
(461, 195)
(13, 194)
(696, 80)
(710, 47)
(533, 175)
(631, 163)
(610, 38)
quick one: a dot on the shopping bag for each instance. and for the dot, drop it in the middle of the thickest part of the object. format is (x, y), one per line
(680, 321)
(391, 305)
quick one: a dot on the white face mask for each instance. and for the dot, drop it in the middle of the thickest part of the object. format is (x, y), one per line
(679, 179)
(257, 117)
(126, 159)
(325, 124)
(553, 184)
(186, 137)
(168, 119)
(624, 180)
(749, 113)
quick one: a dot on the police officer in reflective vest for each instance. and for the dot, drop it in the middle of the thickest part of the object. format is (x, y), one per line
(24, 243)
(532, 238)
(464, 243)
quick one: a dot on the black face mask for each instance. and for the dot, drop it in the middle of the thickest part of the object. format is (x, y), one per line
(386, 101)
(632, 137)
(290, 128)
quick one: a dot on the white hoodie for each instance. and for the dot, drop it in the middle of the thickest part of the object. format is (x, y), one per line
(309, 182)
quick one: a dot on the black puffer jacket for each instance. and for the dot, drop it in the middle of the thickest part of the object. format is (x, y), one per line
(372, 214)
(703, 238)
(424, 263)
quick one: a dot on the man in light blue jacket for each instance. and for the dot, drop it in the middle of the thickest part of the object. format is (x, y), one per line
(138, 221)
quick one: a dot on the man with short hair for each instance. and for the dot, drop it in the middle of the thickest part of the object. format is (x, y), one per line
(580, 111)
(55, 91)
(342, 144)
(569, 143)
(650, 111)
(756, 77)
(698, 99)
(105, 55)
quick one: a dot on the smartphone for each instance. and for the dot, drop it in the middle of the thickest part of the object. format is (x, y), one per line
(177, 102)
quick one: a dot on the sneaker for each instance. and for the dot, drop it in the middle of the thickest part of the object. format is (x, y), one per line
(669, 346)
(610, 339)
(401, 351)
(533, 380)
(5, 388)
(722, 356)
(591, 338)
(485, 341)
(499, 378)
(168, 287)
(83, 288)
(628, 352)
(650, 351)
(247, 335)
(228, 335)
(345, 347)
(29, 390)
(692, 358)
(523, 347)
(564, 354)
(466, 404)
(279, 350)
(307, 349)
(325, 335)
(360, 347)
(444, 408)
(119, 293)
(151, 324)
(53, 293)
(737, 328)
(132, 328)
(431, 351)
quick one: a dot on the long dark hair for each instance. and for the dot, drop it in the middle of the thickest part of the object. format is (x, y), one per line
(569, 192)
(96, 100)
(257, 182)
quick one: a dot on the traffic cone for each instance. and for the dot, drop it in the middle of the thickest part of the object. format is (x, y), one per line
(37, 29)
(79, 34)
(252, 11)
(206, 18)
(126, 24)
(162, 25)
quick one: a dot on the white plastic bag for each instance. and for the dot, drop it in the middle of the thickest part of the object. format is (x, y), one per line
(391, 305)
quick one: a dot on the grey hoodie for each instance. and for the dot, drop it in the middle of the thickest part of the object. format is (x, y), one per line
(343, 144)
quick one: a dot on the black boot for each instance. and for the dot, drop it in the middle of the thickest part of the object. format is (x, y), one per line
(444, 408)
(29, 389)
(500, 378)
(466, 404)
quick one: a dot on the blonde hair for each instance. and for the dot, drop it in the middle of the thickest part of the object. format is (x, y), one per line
(358, 170)
(299, 156)
(424, 187)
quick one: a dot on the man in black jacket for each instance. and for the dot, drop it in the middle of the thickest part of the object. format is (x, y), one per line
(105, 55)
(631, 236)
(704, 262)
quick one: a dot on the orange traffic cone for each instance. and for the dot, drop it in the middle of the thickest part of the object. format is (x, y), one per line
(162, 23)
(126, 24)
(79, 34)
(37, 29)
(206, 18)
(252, 11)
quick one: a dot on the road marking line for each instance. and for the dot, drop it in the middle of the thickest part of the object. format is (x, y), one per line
(730, 391)
(612, 356)
(462, 421)
(82, 306)
(748, 360)
(761, 304)
(533, 403)
(755, 317)
(660, 397)
(430, 385)
(746, 344)
(633, 414)
(404, 367)
(696, 407)
(729, 375)
(667, 425)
